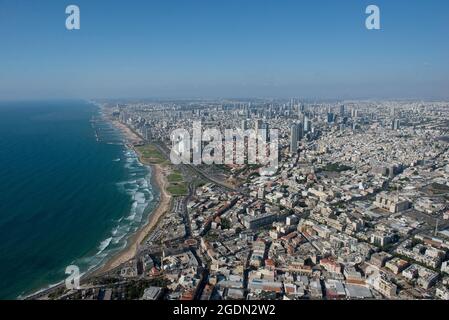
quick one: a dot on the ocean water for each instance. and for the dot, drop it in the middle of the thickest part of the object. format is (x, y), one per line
(71, 192)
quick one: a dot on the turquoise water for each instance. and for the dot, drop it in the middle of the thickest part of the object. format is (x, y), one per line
(70, 192)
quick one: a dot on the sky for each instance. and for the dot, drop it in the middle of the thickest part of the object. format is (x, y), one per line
(317, 49)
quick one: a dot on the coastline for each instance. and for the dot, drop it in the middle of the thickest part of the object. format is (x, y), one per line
(159, 180)
(132, 247)
(159, 177)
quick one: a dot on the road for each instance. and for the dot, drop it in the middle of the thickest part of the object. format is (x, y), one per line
(197, 170)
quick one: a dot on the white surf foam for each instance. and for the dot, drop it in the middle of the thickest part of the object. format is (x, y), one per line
(103, 245)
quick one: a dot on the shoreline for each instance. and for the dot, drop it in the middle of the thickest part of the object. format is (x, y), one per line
(159, 177)
(134, 241)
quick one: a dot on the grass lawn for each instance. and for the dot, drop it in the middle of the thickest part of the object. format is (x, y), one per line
(178, 189)
(178, 186)
(151, 154)
(336, 167)
(175, 176)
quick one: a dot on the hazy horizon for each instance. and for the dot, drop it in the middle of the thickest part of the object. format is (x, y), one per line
(202, 49)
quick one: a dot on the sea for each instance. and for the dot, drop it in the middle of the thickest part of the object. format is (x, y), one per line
(71, 192)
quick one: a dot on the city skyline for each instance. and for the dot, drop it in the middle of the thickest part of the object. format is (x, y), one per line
(163, 49)
(225, 158)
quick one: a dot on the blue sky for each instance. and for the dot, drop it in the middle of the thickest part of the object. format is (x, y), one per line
(224, 48)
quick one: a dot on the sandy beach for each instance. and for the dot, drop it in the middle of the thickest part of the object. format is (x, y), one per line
(159, 178)
(129, 135)
(160, 174)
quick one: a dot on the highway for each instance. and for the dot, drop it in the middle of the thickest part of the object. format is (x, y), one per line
(197, 170)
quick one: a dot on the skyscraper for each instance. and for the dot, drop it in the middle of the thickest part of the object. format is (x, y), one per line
(293, 138)
(306, 124)
(244, 125)
(259, 125)
(300, 130)
(265, 127)
(342, 110)
(262, 130)
(300, 111)
(395, 124)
